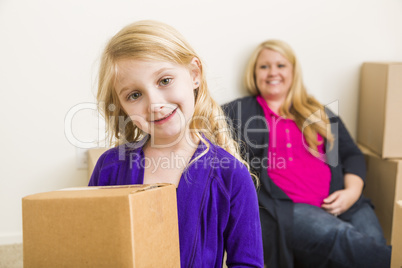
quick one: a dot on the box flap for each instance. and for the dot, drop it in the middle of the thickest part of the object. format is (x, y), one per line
(88, 191)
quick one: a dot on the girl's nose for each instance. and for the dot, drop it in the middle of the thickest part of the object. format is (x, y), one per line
(156, 107)
(155, 102)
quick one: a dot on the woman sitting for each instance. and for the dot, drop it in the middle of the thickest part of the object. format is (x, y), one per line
(311, 172)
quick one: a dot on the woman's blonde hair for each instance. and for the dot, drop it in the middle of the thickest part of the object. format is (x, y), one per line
(152, 40)
(308, 113)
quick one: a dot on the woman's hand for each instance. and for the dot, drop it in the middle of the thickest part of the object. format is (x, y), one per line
(340, 201)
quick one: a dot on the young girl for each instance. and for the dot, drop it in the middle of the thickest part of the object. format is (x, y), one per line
(167, 128)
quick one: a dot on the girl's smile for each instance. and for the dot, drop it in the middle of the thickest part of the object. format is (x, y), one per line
(164, 119)
(158, 96)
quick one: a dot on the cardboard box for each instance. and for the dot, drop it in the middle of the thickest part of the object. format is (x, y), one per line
(396, 260)
(93, 156)
(120, 226)
(383, 187)
(380, 109)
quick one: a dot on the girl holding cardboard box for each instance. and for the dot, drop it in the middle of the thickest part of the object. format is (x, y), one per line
(167, 128)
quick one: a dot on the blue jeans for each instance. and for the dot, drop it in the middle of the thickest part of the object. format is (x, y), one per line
(323, 240)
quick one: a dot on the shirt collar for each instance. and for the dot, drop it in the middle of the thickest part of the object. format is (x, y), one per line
(265, 107)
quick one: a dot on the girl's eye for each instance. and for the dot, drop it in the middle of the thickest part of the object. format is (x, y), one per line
(134, 96)
(165, 81)
(281, 65)
(263, 67)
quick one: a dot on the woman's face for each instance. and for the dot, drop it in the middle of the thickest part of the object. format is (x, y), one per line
(273, 74)
(158, 96)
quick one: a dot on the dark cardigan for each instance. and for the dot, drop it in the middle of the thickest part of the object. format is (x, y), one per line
(247, 119)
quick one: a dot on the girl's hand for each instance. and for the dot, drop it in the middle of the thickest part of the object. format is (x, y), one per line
(340, 201)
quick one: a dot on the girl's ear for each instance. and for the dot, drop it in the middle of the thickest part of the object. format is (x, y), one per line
(195, 72)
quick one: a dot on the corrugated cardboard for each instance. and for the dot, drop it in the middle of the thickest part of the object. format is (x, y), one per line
(383, 187)
(121, 226)
(380, 109)
(396, 260)
(93, 156)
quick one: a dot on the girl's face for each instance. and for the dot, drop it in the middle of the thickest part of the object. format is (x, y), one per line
(273, 74)
(158, 96)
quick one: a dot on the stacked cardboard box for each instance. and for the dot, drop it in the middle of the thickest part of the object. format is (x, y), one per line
(384, 188)
(93, 156)
(120, 226)
(396, 261)
(380, 109)
(380, 138)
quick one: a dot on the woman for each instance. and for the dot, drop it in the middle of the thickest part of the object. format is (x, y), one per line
(311, 172)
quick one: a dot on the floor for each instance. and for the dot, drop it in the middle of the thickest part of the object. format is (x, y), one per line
(11, 256)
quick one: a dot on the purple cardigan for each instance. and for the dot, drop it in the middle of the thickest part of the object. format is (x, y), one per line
(216, 202)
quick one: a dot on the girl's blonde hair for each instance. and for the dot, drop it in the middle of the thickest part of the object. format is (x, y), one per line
(308, 113)
(152, 40)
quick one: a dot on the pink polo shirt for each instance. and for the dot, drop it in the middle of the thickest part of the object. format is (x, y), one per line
(302, 176)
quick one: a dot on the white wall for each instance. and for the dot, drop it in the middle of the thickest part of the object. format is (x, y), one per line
(49, 54)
